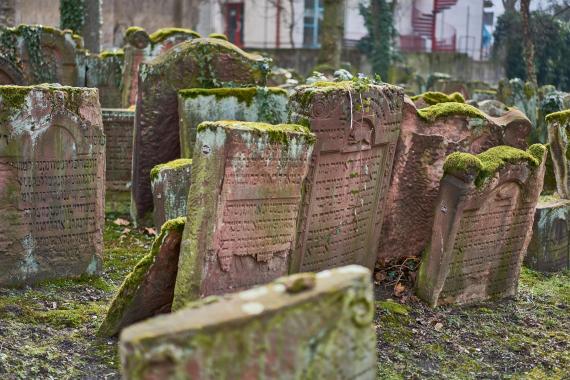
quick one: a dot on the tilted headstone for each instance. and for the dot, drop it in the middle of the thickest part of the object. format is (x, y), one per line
(482, 225)
(428, 136)
(515, 92)
(148, 290)
(558, 124)
(52, 183)
(549, 248)
(105, 71)
(345, 192)
(119, 125)
(305, 326)
(203, 62)
(243, 206)
(170, 183)
(264, 104)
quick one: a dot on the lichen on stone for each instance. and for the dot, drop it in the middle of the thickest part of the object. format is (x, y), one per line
(243, 94)
(219, 36)
(434, 97)
(162, 34)
(169, 166)
(432, 113)
(133, 29)
(561, 117)
(112, 53)
(278, 133)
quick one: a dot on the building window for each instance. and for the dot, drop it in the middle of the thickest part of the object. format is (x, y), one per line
(234, 23)
(313, 16)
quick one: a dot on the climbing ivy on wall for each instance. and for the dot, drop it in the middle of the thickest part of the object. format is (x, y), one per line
(72, 15)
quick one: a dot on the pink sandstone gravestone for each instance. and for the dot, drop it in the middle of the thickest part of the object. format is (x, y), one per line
(243, 205)
(52, 182)
(119, 125)
(170, 184)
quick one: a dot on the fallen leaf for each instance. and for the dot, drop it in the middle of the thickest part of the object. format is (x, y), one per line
(379, 276)
(121, 222)
(438, 326)
(150, 231)
(126, 231)
(399, 289)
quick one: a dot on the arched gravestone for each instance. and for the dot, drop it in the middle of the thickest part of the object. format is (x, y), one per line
(10, 73)
(428, 136)
(119, 124)
(558, 125)
(52, 161)
(203, 62)
(343, 203)
(482, 225)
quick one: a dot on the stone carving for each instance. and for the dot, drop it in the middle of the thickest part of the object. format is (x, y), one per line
(558, 124)
(170, 183)
(305, 326)
(52, 162)
(243, 204)
(119, 124)
(482, 226)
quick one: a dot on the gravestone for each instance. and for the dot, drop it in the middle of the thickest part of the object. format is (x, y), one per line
(105, 71)
(549, 249)
(170, 183)
(516, 93)
(430, 98)
(345, 192)
(304, 326)
(264, 104)
(493, 108)
(119, 124)
(10, 73)
(482, 225)
(558, 124)
(202, 62)
(243, 205)
(428, 136)
(52, 162)
(148, 290)
(480, 95)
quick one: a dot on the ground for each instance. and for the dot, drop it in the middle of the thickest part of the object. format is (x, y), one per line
(48, 331)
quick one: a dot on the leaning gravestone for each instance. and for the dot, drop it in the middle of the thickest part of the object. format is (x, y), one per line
(264, 104)
(203, 62)
(428, 136)
(483, 225)
(119, 124)
(343, 202)
(170, 183)
(558, 124)
(149, 288)
(243, 205)
(52, 162)
(549, 248)
(306, 326)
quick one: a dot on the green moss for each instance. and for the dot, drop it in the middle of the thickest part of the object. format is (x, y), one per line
(392, 307)
(529, 90)
(133, 29)
(72, 14)
(243, 94)
(12, 99)
(483, 91)
(162, 34)
(112, 53)
(432, 113)
(561, 117)
(433, 97)
(537, 151)
(279, 133)
(219, 36)
(181, 162)
(462, 162)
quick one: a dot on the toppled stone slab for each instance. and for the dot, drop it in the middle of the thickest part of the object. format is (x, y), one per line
(357, 126)
(305, 326)
(119, 124)
(148, 290)
(243, 206)
(558, 124)
(170, 183)
(52, 162)
(261, 104)
(482, 226)
(549, 248)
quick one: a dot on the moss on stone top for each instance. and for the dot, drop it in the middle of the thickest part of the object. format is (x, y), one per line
(484, 91)
(218, 35)
(243, 94)
(112, 53)
(133, 29)
(176, 164)
(277, 132)
(162, 34)
(562, 117)
(434, 97)
(432, 113)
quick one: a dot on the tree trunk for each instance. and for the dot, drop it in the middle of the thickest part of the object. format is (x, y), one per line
(7, 12)
(509, 5)
(528, 44)
(332, 33)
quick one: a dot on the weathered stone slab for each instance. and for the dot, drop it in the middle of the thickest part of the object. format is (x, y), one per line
(264, 104)
(493, 108)
(119, 125)
(305, 326)
(558, 124)
(342, 210)
(157, 139)
(515, 92)
(105, 71)
(243, 205)
(148, 290)
(428, 136)
(170, 183)
(52, 163)
(549, 248)
(482, 226)
(430, 98)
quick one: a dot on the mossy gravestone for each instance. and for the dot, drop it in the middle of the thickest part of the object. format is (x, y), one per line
(105, 71)
(52, 183)
(516, 93)
(428, 136)
(170, 183)
(118, 125)
(305, 326)
(203, 62)
(482, 226)
(264, 104)
(357, 126)
(549, 249)
(149, 288)
(243, 205)
(558, 125)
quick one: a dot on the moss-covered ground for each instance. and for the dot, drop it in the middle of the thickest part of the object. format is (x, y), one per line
(48, 330)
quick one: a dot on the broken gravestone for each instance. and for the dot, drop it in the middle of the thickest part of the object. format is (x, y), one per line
(118, 125)
(264, 104)
(202, 62)
(558, 124)
(482, 226)
(428, 136)
(549, 249)
(52, 183)
(170, 183)
(149, 288)
(305, 326)
(243, 205)
(357, 126)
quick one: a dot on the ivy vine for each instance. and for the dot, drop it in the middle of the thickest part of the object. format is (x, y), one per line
(72, 15)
